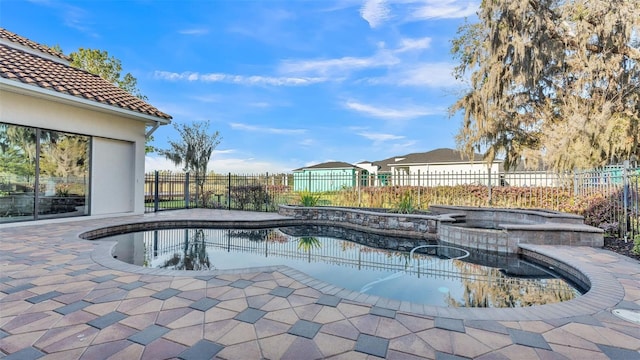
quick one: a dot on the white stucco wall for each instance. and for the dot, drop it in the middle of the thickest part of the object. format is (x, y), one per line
(113, 135)
(443, 174)
(113, 174)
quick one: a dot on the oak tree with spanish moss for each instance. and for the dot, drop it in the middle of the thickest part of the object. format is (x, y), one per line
(557, 80)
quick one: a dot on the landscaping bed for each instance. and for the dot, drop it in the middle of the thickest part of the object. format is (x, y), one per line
(620, 247)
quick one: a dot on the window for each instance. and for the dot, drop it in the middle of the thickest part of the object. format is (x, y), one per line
(43, 173)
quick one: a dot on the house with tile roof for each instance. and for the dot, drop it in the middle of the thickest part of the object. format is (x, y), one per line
(328, 176)
(71, 143)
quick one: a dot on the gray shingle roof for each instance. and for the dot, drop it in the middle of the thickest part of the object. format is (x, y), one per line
(437, 156)
(25, 67)
(329, 165)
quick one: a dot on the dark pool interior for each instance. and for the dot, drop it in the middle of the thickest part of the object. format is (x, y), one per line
(435, 274)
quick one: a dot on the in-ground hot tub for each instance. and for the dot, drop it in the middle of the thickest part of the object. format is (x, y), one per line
(503, 230)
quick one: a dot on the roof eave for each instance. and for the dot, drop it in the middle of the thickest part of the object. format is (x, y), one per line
(26, 89)
(443, 163)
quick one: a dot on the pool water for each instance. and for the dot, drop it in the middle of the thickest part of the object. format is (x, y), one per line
(432, 275)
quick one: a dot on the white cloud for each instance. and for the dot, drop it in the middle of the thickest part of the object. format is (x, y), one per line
(375, 12)
(336, 67)
(245, 127)
(413, 44)
(340, 68)
(388, 113)
(194, 31)
(438, 75)
(153, 163)
(445, 9)
(238, 79)
(207, 98)
(404, 147)
(307, 142)
(224, 166)
(305, 72)
(378, 137)
(249, 166)
(429, 74)
(259, 104)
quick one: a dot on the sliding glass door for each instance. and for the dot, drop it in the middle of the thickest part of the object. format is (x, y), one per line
(43, 173)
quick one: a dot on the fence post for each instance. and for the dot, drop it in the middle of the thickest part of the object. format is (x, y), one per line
(156, 195)
(266, 192)
(418, 207)
(186, 190)
(489, 185)
(229, 193)
(625, 198)
(196, 182)
(358, 186)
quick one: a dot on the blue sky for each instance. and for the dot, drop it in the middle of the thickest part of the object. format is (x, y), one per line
(287, 83)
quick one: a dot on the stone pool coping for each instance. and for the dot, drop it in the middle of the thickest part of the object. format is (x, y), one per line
(605, 291)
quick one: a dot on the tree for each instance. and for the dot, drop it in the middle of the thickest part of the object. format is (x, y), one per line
(551, 79)
(107, 67)
(148, 148)
(194, 150)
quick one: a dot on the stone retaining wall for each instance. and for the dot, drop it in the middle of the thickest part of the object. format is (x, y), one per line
(488, 229)
(392, 224)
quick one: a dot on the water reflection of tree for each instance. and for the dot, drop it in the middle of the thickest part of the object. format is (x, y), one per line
(258, 235)
(194, 255)
(307, 243)
(276, 236)
(65, 155)
(488, 287)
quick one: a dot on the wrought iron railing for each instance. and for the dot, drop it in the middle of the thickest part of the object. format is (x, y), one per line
(608, 197)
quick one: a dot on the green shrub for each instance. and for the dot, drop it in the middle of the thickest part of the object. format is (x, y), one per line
(636, 245)
(309, 199)
(405, 205)
(245, 195)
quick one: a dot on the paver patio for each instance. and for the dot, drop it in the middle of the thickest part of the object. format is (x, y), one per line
(62, 297)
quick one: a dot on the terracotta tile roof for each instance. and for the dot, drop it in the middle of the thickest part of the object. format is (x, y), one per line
(5, 34)
(19, 65)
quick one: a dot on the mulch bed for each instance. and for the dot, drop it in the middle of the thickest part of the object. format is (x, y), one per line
(619, 246)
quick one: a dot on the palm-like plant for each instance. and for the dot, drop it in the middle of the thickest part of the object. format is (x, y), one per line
(308, 198)
(194, 150)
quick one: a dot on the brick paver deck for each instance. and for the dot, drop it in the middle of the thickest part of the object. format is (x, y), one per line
(62, 297)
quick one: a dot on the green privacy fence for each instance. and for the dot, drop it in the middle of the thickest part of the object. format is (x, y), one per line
(607, 197)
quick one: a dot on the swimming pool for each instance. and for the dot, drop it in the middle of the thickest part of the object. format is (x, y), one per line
(433, 275)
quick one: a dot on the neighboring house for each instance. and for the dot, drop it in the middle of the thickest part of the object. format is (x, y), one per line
(379, 172)
(71, 143)
(440, 167)
(329, 176)
(539, 175)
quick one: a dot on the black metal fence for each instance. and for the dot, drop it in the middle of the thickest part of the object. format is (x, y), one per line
(263, 192)
(608, 197)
